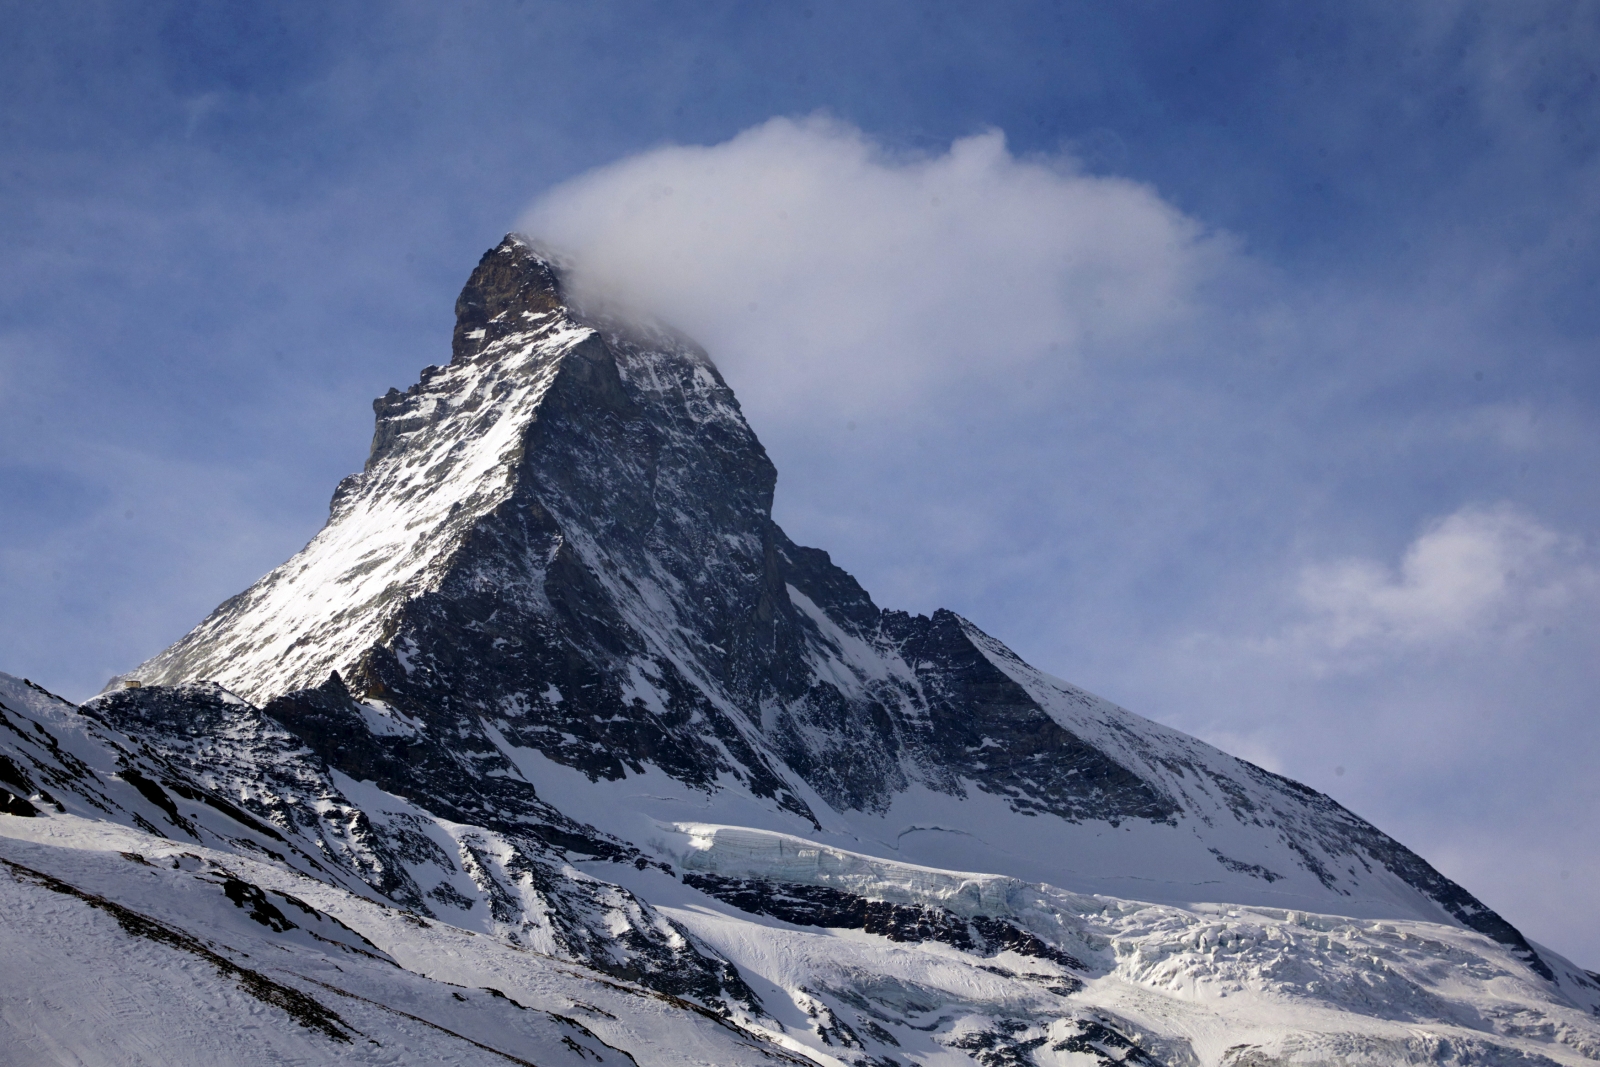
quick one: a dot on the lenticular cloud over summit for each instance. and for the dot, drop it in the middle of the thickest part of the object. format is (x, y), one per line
(826, 262)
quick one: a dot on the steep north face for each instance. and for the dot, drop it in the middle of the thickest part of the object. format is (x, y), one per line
(559, 565)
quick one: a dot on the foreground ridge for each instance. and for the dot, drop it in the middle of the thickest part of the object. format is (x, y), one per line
(552, 689)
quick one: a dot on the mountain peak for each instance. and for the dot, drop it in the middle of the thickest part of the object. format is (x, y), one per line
(561, 554)
(551, 673)
(513, 281)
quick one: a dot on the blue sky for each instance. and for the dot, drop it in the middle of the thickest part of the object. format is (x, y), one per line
(1245, 370)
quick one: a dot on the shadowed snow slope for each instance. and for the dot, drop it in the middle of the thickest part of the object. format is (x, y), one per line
(551, 696)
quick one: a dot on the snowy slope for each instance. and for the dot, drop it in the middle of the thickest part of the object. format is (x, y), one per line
(445, 455)
(126, 948)
(200, 765)
(551, 703)
(129, 947)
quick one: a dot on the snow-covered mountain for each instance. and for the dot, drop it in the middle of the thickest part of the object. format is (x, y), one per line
(551, 702)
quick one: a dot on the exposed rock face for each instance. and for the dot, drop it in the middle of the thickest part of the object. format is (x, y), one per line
(587, 558)
(562, 544)
(195, 763)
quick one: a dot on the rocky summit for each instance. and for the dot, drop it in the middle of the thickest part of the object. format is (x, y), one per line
(552, 746)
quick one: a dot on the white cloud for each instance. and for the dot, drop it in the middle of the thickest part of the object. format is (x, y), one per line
(814, 263)
(1480, 572)
(1478, 582)
(1446, 693)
